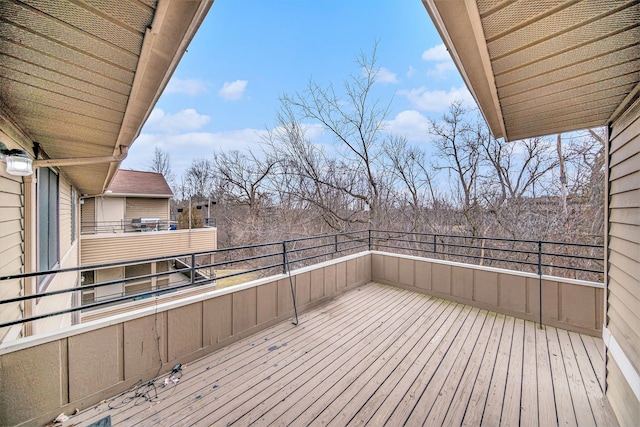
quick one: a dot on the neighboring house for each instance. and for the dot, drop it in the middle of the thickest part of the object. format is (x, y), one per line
(78, 81)
(540, 68)
(131, 221)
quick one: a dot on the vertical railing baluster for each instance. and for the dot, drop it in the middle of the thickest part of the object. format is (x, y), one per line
(540, 278)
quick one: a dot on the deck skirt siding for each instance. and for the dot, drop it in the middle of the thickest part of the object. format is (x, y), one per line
(381, 355)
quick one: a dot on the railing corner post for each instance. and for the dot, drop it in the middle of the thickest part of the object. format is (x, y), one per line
(369, 239)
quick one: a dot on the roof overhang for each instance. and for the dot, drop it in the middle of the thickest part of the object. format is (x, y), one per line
(540, 68)
(81, 78)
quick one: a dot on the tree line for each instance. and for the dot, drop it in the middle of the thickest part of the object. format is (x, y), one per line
(465, 183)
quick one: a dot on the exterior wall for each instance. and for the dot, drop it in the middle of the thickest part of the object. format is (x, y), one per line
(68, 259)
(84, 364)
(88, 212)
(566, 303)
(623, 266)
(139, 207)
(11, 248)
(104, 248)
(110, 209)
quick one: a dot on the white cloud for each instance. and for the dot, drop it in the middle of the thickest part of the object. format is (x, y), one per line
(183, 148)
(190, 87)
(386, 76)
(185, 120)
(436, 101)
(442, 69)
(410, 123)
(436, 53)
(411, 72)
(232, 91)
(444, 63)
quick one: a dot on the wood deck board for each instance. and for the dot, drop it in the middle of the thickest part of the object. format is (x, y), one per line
(384, 356)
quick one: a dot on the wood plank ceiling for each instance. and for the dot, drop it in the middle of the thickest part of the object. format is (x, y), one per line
(68, 71)
(543, 67)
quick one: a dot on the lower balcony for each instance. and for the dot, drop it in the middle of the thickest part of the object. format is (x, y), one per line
(380, 355)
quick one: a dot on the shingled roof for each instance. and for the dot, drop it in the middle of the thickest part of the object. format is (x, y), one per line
(139, 183)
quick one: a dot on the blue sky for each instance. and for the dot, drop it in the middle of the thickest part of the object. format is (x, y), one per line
(247, 53)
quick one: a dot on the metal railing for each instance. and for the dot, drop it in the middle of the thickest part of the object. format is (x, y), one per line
(135, 226)
(191, 270)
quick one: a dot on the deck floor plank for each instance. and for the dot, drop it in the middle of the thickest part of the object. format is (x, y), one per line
(581, 405)
(355, 356)
(380, 355)
(589, 372)
(436, 350)
(513, 390)
(463, 368)
(529, 400)
(353, 380)
(564, 406)
(272, 371)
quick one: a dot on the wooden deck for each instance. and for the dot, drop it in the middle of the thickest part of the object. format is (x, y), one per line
(380, 355)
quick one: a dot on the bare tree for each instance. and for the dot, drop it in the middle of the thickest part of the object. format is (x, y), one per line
(354, 120)
(161, 163)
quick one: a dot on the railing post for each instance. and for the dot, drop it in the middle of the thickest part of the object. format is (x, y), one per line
(540, 278)
(284, 257)
(369, 238)
(335, 244)
(193, 269)
(435, 244)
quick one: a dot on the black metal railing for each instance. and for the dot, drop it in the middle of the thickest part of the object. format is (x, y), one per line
(182, 271)
(136, 226)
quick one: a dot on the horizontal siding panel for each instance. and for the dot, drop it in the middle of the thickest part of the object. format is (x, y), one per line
(622, 276)
(624, 334)
(10, 185)
(628, 199)
(147, 208)
(624, 247)
(10, 199)
(620, 395)
(88, 211)
(620, 296)
(11, 244)
(7, 214)
(625, 131)
(625, 152)
(625, 183)
(132, 246)
(625, 232)
(10, 262)
(624, 168)
(65, 216)
(625, 216)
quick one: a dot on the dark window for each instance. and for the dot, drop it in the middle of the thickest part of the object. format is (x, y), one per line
(47, 193)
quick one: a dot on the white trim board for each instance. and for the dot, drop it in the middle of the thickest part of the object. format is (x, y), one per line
(627, 369)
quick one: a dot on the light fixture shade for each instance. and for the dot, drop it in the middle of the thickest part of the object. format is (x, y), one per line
(19, 165)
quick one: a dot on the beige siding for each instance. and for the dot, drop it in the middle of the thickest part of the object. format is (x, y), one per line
(98, 249)
(138, 207)
(64, 204)
(88, 215)
(11, 246)
(623, 267)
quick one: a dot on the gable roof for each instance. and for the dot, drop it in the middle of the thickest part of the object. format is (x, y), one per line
(538, 68)
(139, 183)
